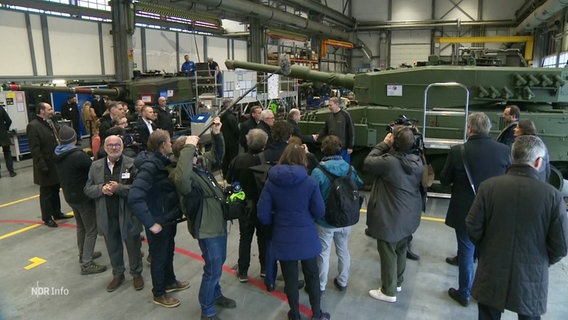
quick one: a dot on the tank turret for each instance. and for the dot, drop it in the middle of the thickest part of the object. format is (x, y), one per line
(440, 98)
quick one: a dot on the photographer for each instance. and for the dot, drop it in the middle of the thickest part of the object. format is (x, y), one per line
(393, 212)
(129, 137)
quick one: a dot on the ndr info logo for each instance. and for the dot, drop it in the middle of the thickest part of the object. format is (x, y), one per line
(49, 291)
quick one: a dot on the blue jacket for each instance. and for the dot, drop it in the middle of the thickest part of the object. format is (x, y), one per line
(338, 167)
(290, 202)
(153, 197)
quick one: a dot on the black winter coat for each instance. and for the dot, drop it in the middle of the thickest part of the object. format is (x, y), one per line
(153, 197)
(73, 170)
(520, 228)
(486, 158)
(164, 120)
(42, 145)
(246, 125)
(5, 123)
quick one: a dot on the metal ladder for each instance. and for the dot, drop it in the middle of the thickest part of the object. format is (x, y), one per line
(440, 143)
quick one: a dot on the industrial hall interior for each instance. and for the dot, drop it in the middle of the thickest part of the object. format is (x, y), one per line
(284, 159)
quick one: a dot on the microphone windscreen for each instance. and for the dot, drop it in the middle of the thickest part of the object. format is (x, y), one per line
(285, 64)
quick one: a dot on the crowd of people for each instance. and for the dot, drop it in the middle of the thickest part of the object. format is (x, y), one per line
(120, 194)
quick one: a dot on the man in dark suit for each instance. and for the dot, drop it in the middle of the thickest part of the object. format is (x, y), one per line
(485, 158)
(293, 117)
(164, 120)
(250, 123)
(70, 111)
(145, 125)
(5, 123)
(511, 114)
(42, 135)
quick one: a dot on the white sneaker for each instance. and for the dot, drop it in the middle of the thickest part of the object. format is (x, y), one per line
(398, 289)
(379, 295)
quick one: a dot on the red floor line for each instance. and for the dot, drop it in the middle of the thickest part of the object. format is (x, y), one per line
(257, 283)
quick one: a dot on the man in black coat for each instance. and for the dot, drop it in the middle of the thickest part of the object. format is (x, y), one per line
(5, 123)
(145, 126)
(250, 123)
(485, 158)
(42, 136)
(230, 131)
(511, 114)
(519, 224)
(164, 120)
(72, 166)
(70, 111)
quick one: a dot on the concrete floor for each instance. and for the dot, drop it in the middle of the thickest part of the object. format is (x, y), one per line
(72, 296)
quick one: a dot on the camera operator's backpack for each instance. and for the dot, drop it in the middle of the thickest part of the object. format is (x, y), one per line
(343, 202)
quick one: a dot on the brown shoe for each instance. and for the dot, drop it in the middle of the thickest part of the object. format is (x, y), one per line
(167, 301)
(178, 286)
(138, 282)
(115, 283)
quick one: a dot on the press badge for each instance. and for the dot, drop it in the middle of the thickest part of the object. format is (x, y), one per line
(125, 175)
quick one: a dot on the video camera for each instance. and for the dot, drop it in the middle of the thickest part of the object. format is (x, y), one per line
(418, 146)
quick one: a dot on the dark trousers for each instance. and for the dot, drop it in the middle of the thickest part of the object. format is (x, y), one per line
(115, 249)
(489, 313)
(86, 219)
(49, 201)
(393, 264)
(311, 274)
(8, 158)
(162, 247)
(247, 226)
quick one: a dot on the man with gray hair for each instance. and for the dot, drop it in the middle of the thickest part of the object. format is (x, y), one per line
(266, 122)
(484, 158)
(519, 224)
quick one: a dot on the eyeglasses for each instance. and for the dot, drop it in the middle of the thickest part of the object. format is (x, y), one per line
(114, 145)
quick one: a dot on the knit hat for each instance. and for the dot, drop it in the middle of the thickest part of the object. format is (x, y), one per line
(67, 135)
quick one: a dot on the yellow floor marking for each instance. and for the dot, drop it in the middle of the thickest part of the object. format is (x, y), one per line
(35, 261)
(423, 217)
(19, 231)
(18, 201)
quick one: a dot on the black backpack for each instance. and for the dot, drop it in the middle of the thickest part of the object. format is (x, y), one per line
(343, 202)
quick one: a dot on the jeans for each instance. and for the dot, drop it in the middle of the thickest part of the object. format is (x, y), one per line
(340, 237)
(214, 253)
(49, 202)
(466, 250)
(86, 219)
(162, 247)
(290, 274)
(247, 226)
(489, 313)
(393, 264)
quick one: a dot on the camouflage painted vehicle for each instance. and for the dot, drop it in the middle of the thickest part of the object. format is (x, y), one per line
(440, 97)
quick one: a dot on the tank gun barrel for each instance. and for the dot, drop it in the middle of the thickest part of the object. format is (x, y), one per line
(301, 72)
(112, 92)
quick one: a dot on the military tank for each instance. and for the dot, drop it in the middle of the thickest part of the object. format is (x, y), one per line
(440, 98)
(178, 89)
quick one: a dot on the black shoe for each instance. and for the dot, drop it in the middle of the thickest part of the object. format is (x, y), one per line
(412, 256)
(61, 215)
(338, 286)
(51, 223)
(13, 174)
(452, 260)
(269, 287)
(368, 234)
(225, 302)
(301, 284)
(454, 294)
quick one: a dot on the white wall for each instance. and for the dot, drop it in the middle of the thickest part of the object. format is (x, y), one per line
(15, 56)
